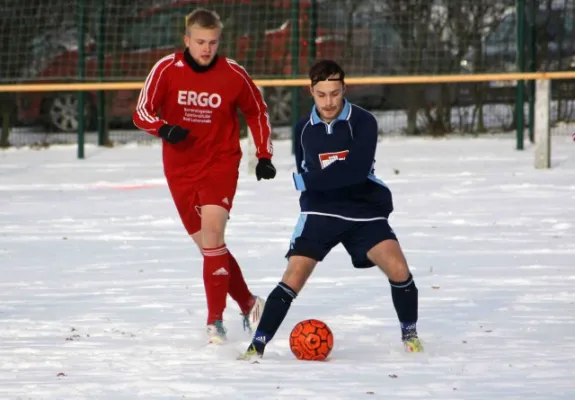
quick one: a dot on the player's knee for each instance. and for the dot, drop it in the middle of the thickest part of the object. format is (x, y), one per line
(395, 268)
(212, 237)
(298, 271)
(212, 233)
(398, 274)
(388, 256)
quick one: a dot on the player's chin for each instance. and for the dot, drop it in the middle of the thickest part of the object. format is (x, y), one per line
(205, 60)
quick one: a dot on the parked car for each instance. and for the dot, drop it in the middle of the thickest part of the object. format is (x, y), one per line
(47, 51)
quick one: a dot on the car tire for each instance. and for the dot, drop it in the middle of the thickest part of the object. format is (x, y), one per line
(278, 100)
(60, 113)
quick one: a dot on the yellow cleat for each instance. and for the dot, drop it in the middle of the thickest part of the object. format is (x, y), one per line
(413, 345)
(251, 355)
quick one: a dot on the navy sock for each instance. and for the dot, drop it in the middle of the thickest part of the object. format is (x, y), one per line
(405, 300)
(275, 311)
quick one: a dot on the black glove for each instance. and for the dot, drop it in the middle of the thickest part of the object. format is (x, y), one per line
(265, 169)
(173, 133)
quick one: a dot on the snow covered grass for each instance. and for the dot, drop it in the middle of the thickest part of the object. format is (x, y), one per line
(101, 293)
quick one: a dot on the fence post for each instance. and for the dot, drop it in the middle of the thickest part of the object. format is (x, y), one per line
(294, 67)
(520, 89)
(542, 126)
(81, 76)
(101, 93)
(532, 55)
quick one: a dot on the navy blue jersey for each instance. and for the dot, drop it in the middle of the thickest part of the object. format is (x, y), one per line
(335, 164)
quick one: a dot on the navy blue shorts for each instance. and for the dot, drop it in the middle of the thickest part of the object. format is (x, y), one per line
(315, 235)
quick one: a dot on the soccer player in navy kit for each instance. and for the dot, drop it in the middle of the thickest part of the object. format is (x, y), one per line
(341, 201)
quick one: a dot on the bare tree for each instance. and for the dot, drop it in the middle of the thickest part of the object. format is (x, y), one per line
(412, 20)
(470, 21)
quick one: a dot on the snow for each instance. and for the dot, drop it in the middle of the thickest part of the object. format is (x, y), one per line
(101, 293)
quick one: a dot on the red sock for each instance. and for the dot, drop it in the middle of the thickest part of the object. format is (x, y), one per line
(238, 289)
(216, 281)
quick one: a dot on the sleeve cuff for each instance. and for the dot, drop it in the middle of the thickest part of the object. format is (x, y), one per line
(299, 182)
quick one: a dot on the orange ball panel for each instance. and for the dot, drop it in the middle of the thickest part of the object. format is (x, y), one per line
(311, 340)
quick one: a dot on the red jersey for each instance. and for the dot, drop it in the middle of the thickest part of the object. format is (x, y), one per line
(206, 103)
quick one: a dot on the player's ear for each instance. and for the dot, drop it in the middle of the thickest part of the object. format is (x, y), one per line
(311, 89)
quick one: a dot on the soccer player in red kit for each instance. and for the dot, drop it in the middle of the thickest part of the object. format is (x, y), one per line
(190, 100)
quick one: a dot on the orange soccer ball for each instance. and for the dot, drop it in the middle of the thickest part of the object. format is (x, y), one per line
(311, 340)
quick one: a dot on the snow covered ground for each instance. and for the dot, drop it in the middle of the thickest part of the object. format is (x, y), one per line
(101, 294)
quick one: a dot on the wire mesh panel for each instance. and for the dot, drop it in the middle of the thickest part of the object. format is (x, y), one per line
(279, 39)
(123, 39)
(40, 37)
(370, 37)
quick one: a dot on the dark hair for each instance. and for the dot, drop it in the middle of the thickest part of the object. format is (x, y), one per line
(321, 70)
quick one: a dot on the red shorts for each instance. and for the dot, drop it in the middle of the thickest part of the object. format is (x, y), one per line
(189, 196)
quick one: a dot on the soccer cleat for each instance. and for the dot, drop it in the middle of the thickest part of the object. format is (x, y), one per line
(252, 318)
(216, 332)
(251, 355)
(413, 345)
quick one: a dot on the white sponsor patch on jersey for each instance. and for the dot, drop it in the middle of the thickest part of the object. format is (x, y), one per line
(203, 99)
(327, 159)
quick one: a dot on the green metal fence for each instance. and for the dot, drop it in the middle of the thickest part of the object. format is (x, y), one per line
(119, 40)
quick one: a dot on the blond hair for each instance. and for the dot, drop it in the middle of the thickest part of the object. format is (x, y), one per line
(204, 18)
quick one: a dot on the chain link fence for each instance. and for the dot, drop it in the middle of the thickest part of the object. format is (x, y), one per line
(122, 39)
